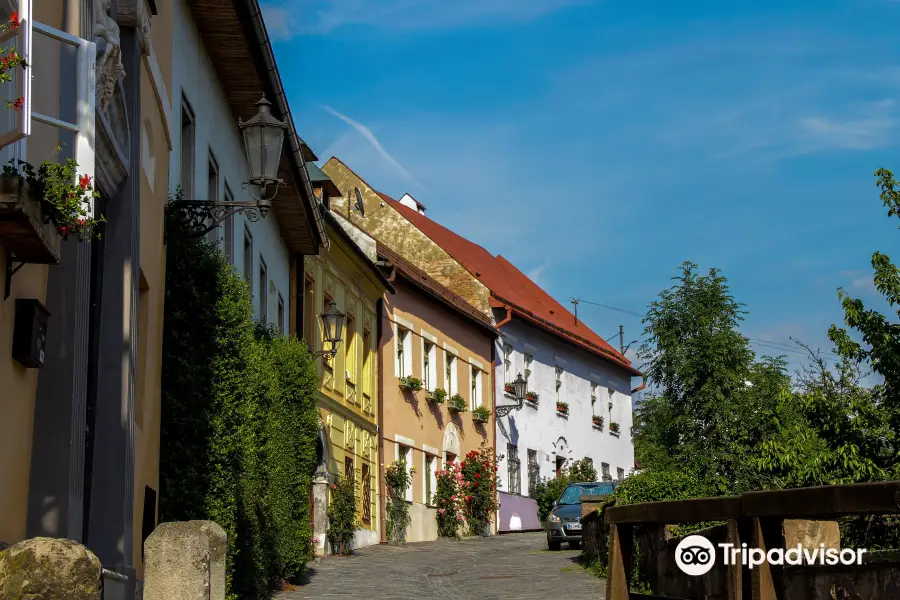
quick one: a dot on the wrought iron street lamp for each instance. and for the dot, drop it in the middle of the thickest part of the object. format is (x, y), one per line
(263, 139)
(520, 388)
(333, 328)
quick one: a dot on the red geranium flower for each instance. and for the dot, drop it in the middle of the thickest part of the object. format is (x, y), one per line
(17, 104)
(475, 484)
(14, 20)
(84, 181)
(477, 475)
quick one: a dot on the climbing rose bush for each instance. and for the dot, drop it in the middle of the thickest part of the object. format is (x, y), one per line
(478, 488)
(447, 499)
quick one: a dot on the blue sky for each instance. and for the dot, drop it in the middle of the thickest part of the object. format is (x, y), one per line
(598, 144)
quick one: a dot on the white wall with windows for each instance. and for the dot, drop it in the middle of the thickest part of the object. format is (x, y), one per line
(542, 440)
(209, 163)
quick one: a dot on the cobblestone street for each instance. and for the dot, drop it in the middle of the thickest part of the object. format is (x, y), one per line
(510, 566)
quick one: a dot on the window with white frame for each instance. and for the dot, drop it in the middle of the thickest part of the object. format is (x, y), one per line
(228, 229)
(429, 364)
(212, 195)
(263, 290)
(403, 359)
(188, 130)
(430, 478)
(507, 363)
(451, 373)
(604, 469)
(476, 399)
(405, 454)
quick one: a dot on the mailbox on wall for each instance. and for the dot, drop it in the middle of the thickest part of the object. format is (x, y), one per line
(30, 333)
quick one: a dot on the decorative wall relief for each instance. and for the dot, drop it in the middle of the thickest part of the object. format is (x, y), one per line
(109, 66)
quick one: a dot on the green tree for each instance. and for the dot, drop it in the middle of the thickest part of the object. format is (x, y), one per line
(713, 403)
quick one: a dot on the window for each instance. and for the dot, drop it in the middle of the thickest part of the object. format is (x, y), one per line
(404, 453)
(476, 398)
(593, 393)
(187, 149)
(620, 474)
(430, 479)
(528, 360)
(366, 494)
(559, 374)
(309, 310)
(560, 463)
(534, 472)
(228, 226)
(451, 374)
(507, 363)
(281, 324)
(513, 468)
(248, 256)
(263, 290)
(428, 364)
(350, 349)
(212, 194)
(367, 370)
(604, 470)
(403, 363)
(348, 468)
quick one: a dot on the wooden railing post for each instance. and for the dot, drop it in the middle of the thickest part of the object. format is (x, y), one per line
(621, 555)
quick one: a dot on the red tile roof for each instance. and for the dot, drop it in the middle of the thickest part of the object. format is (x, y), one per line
(509, 286)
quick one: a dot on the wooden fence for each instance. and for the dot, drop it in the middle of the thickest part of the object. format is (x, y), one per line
(755, 518)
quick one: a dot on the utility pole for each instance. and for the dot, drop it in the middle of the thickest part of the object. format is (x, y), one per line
(622, 339)
(574, 302)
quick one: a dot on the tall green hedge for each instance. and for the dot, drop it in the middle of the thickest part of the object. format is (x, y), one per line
(239, 420)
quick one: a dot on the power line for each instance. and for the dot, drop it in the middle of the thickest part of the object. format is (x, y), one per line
(579, 300)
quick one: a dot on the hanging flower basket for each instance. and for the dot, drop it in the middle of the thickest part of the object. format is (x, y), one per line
(481, 415)
(598, 421)
(410, 384)
(457, 404)
(438, 396)
(562, 408)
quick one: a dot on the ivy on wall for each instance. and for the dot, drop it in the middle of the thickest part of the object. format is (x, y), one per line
(239, 420)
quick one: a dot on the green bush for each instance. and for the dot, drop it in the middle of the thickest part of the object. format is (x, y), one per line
(239, 421)
(397, 479)
(548, 491)
(342, 521)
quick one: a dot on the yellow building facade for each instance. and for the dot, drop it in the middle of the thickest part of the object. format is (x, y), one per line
(349, 394)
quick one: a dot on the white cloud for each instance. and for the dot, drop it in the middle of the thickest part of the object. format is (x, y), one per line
(370, 137)
(320, 17)
(870, 126)
(536, 274)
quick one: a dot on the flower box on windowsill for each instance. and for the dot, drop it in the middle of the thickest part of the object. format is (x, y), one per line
(437, 396)
(614, 429)
(23, 229)
(481, 415)
(410, 384)
(509, 390)
(562, 409)
(457, 404)
(597, 421)
(532, 398)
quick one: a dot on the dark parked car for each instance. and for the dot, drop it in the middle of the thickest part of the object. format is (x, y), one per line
(564, 521)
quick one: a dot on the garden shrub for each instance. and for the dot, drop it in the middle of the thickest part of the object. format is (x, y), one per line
(397, 480)
(449, 516)
(342, 518)
(239, 421)
(479, 488)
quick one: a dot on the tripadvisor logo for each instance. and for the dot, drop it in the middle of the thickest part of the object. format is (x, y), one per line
(696, 555)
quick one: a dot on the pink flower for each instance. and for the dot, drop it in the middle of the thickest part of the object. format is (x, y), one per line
(453, 497)
(334, 486)
(442, 511)
(459, 517)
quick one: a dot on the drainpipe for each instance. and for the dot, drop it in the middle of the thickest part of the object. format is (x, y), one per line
(284, 110)
(494, 410)
(379, 332)
(508, 318)
(641, 387)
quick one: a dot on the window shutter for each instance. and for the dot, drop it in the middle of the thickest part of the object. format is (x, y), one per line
(16, 124)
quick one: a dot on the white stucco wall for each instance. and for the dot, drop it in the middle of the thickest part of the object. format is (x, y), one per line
(541, 428)
(217, 133)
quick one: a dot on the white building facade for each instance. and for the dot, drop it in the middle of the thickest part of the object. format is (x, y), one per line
(209, 162)
(538, 441)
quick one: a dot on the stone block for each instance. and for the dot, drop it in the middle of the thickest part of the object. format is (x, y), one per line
(49, 569)
(810, 534)
(185, 561)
